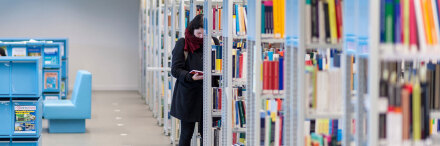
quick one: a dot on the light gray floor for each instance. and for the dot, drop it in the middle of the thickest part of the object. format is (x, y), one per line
(137, 127)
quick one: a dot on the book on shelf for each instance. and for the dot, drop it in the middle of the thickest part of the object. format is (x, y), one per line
(216, 132)
(19, 51)
(273, 17)
(272, 119)
(51, 80)
(238, 108)
(34, 51)
(239, 60)
(410, 25)
(273, 68)
(216, 98)
(322, 132)
(323, 87)
(217, 58)
(405, 103)
(323, 21)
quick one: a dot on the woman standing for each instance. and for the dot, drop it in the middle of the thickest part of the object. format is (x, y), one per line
(187, 103)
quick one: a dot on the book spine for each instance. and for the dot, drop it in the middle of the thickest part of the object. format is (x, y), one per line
(382, 21)
(435, 20)
(416, 111)
(397, 24)
(389, 21)
(263, 19)
(308, 21)
(281, 75)
(327, 22)
(406, 22)
(339, 18)
(332, 17)
(422, 37)
(321, 22)
(315, 20)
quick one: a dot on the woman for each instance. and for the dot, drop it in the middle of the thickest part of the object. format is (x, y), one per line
(187, 103)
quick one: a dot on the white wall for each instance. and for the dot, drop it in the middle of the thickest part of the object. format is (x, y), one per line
(103, 35)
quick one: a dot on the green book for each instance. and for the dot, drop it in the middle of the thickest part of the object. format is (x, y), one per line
(389, 21)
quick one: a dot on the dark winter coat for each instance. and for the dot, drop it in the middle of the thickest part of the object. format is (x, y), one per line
(187, 102)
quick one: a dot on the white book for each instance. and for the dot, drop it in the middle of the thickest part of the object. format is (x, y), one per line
(394, 129)
(277, 131)
(19, 51)
(308, 21)
(322, 92)
(420, 27)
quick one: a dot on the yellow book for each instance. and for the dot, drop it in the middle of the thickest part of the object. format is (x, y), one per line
(405, 6)
(220, 19)
(323, 126)
(426, 23)
(241, 19)
(218, 65)
(416, 101)
(333, 27)
(279, 17)
(431, 22)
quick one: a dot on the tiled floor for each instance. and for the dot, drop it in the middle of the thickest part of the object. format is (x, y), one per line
(118, 119)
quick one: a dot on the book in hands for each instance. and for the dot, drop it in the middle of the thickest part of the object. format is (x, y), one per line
(196, 72)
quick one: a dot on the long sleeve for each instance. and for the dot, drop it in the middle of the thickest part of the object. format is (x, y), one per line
(178, 63)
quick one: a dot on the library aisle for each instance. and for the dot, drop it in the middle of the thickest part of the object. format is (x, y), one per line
(119, 118)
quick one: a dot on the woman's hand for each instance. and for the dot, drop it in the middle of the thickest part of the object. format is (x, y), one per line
(196, 77)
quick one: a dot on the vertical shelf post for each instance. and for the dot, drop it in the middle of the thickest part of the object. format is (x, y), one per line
(207, 78)
(227, 73)
(253, 91)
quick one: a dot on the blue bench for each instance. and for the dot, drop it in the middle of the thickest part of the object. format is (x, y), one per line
(68, 116)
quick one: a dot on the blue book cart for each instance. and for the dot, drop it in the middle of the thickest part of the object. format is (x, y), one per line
(20, 101)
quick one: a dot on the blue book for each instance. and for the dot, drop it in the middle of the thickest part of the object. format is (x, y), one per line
(237, 20)
(237, 112)
(270, 55)
(397, 24)
(382, 21)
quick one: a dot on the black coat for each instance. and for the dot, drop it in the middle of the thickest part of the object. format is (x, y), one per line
(187, 103)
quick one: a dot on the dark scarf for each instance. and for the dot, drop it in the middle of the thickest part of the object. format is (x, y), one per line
(192, 43)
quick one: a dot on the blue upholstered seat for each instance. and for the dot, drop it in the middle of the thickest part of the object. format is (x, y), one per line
(68, 116)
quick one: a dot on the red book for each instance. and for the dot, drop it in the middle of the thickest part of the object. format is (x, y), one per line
(276, 71)
(234, 138)
(219, 98)
(338, 17)
(265, 75)
(270, 75)
(412, 24)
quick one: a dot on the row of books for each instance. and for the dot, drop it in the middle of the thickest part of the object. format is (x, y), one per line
(412, 25)
(239, 108)
(239, 139)
(216, 58)
(323, 132)
(216, 98)
(239, 19)
(271, 123)
(272, 17)
(216, 133)
(239, 60)
(405, 105)
(323, 21)
(273, 71)
(323, 83)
